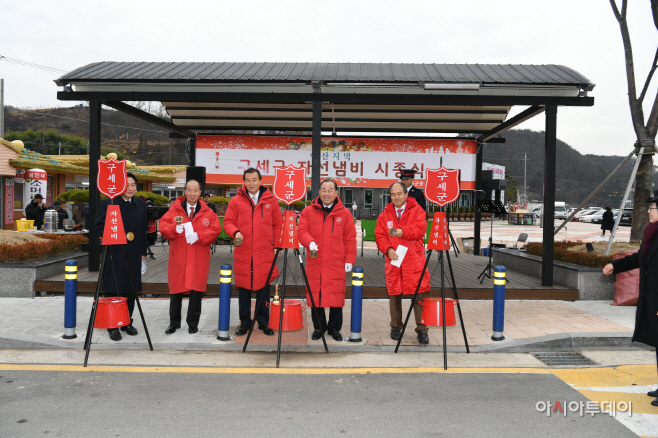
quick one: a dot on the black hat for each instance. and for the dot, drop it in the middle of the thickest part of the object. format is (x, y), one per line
(409, 173)
(654, 199)
(57, 204)
(38, 196)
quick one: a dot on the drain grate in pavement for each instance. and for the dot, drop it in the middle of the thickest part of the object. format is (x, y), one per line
(563, 359)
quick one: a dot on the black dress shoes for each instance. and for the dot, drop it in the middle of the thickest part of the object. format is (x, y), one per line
(395, 333)
(336, 335)
(317, 334)
(268, 331)
(192, 330)
(129, 329)
(115, 334)
(655, 402)
(653, 393)
(172, 328)
(423, 338)
(242, 330)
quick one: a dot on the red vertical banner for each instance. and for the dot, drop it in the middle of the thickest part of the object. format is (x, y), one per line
(9, 201)
(113, 234)
(288, 236)
(439, 239)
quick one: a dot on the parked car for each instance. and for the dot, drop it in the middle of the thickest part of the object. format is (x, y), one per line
(577, 217)
(597, 217)
(626, 217)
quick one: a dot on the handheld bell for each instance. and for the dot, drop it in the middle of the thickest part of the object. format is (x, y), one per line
(276, 299)
(392, 232)
(313, 254)
(179, 220)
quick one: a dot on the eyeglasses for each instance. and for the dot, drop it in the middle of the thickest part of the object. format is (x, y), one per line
(653, 208)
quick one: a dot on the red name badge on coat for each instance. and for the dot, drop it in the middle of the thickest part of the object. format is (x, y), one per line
(114, 234)
(288, 236)
(439, 239)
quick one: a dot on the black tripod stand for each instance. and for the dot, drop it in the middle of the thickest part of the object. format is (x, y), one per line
(283, 296)
(92, 318)
(488, 207)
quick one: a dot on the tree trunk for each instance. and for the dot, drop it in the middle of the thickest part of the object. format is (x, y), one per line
(643, 186)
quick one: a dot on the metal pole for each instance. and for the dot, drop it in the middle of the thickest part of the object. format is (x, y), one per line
(94, 195)
(316, 148)
(92, 317)
(281, 307)
(443, 312)
(549, 194)
(459, 309)
(225, 273)
(478, 186)
(2, 108)
(623, 201)
(357, 304)
(499, 304)
(70, 297)
(597, 190)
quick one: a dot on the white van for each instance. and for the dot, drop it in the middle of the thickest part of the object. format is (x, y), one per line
(560, 210)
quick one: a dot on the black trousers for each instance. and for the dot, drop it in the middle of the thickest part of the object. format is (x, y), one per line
(193, 308)
(261, 315)
(335, 318)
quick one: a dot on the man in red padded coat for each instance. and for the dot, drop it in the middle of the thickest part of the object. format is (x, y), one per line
(408, 222)
(189, 253)
(254, 217)
(327, 227)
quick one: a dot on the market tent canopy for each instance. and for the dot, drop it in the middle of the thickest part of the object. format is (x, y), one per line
(335, 98)
(401, 98)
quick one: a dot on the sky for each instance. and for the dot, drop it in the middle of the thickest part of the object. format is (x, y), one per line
(581, 34)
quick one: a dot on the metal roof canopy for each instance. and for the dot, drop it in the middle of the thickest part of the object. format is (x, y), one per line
(336, 98)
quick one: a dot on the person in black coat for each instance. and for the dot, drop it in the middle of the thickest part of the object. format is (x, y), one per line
(116, 278)
(407, 178)
(608, 220)
(35, 210)
(61, 214)
(646, 316)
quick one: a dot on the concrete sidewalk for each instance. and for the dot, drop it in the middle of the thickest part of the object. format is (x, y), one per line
(529, 326)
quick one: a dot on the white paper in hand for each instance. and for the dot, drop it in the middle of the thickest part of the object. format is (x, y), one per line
(401, 251)
(143, 266)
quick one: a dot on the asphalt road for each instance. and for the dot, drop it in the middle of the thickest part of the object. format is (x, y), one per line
(152, 404)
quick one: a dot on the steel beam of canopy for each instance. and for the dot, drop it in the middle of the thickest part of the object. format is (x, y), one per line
(335, 98)
(478, 186)
(94, 195)
(136, 112)
(316, 147)
(193, 153)
(509, 124)
(550, 156)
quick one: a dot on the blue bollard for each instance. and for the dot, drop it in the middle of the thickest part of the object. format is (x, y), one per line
(70, 297)
(357, 304)
(225, 274)
(499, 304)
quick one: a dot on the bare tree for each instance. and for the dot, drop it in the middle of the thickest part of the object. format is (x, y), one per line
(645, 129)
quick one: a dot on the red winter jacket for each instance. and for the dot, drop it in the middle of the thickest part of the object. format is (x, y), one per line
(260, 225)
(189, 264)
(335, 235)
(414, 225)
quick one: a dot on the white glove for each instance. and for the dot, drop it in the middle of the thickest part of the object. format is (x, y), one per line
(348, 267)
(180, 229)
(192, 237)
(313, 246)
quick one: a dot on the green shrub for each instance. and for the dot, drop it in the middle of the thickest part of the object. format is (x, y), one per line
(158, 200)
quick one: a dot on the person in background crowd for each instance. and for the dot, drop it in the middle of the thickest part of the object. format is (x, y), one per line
(34, 211)
(327, 227)
(253, 216)
(61, 214)
(117, 280)
(189, 254)
(404, 218)
(206, 198)
(171, 202)
(407, 178)
(608, 220)
(646, 315)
